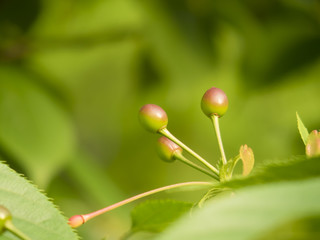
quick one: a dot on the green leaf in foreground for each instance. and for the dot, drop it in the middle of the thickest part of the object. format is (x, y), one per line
(291, 170)
(298, 229)
(32, 212)
(156, 215)
(302, 130)
(295, 168)
(251, 213)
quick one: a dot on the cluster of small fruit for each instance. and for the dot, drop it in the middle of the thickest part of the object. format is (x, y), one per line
(214, 104)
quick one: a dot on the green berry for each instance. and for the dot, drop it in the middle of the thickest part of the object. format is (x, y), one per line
(167, 149)
(153, 117)
(214, 102)
(5, 216)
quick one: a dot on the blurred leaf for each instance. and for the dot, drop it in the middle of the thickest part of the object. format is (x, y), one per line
(250, 213)
(180, 57)
(91, 180)
(302, 130)
(17, 13)
(302, 52)
(94, 20)
(302, 228)
(157, 215)
(34, 130)
(32, 212)
(288, 39)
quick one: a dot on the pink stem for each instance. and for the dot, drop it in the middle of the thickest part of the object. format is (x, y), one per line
(86, 217)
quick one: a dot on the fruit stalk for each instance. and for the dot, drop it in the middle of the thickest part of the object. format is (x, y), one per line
(165, 132)
(77, 220)
(215, 121)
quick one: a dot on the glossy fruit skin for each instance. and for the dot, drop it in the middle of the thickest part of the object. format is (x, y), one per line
(5, 216)
(313, 144)
(76, 221)
(167, 149)
(153, 117)
(214, 102)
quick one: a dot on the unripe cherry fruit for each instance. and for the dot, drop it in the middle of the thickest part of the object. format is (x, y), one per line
(153, 117)
(5, 216)
(167, 149)
(76, 220)
(313, 144)
(214, 102)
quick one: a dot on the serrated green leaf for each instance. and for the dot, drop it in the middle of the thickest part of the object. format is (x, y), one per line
(34, 130)
(32, 212)
(302, 130)
(250, 213)
(293, 169)
(157, 215)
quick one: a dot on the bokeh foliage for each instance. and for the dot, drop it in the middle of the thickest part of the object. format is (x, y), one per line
(73, 75)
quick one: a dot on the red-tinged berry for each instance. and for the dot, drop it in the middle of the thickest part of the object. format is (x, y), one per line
(5, 216)
(167, 149)
(313, 144)
(153, 117)
(214, 102)
(76, 221)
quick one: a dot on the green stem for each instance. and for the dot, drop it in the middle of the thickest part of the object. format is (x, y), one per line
(181, 158)
(10, 227)
(215, 121)
(165, 132)
(87, 217)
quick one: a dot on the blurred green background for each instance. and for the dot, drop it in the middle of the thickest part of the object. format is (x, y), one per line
(74, 74)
